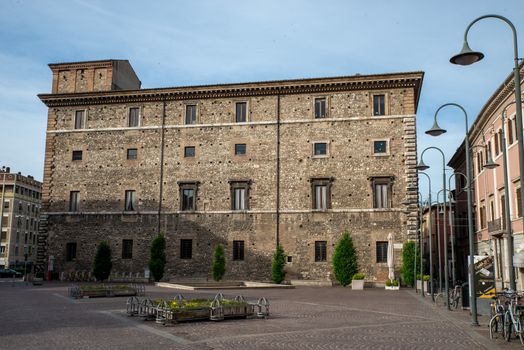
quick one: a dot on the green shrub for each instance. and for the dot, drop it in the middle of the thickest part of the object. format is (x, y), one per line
(277, 268)
(394, 283)
(359, 276)
(426, 278)
(102, 264)
(388, 283)
(157, 260)
(219, 263)
(418, 276)
(345, 261)
(408, 262)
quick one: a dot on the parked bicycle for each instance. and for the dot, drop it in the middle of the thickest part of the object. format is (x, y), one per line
(514, 317)
(498, 309)
(455, 295)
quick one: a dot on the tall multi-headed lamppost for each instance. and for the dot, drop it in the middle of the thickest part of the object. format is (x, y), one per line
(467, 57)
(436, 131)
(422, 166)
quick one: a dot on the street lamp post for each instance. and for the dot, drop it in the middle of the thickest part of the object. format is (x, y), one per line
(423, 166)
(436, 131)
(452, 233)
(467, 57)
(445, 222)
(430, 223)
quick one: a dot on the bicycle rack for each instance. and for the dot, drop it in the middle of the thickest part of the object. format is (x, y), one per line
(263, 308)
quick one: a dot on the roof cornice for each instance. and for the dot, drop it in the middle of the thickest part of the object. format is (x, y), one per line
(297, 86)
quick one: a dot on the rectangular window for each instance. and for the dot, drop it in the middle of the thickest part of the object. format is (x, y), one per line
(381, 195)
(378, 105)
(239, 200)
(134, 116)
(241, 112)
(321, 193)
(380, 147)
(510, 131)
(482, 217)
(238, 250)
(321, 197)
(320, 149)
(130, 200)
(132, 153)
(188, 199)
(186, 248)
(77, 155)
(127, 249)
(6, 205)
(320, 251)
(191, 114)
(496, 141)
(515, 129)
(382, 252)
(74, 201)
(79, 119)
(503, 210)
(320, 107)
(189, 151)
(500, 141)
(519, 203)
(70, 251)
(240, 149)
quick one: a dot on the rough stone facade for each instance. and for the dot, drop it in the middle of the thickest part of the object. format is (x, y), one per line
(279, 168)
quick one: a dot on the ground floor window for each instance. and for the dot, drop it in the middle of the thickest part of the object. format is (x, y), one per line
(70, 251)
(382, 252)
(186, 248)
(320, 251)
(238, 250)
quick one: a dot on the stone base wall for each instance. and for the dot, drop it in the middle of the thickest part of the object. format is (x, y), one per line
(298, 233)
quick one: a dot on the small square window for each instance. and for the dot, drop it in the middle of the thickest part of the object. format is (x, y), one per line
(378, 105)
(289, 259)
(320, 149)
(320, 251)
(127, 249)
(380, 147)
(189, 151)
(132, 153)
(240, 149)
(238, 250)
(77, 155)
(320, 107)
(191, 114)
(186, 248)
(241, 112)
(382, 252)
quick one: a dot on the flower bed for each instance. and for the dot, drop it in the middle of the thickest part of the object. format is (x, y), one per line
(105, 290)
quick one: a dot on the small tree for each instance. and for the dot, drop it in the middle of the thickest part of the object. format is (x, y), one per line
(157, 260)
(102, 264)
(408, 263)
(219, 263)
(277, 268)
(345, 261)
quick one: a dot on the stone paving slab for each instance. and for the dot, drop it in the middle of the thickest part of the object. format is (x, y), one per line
(44, 317)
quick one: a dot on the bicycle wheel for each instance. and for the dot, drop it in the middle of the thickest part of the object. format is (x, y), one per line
(440, 300)
(455, 301)
(507, 326)
(496, 327)
(521, 324)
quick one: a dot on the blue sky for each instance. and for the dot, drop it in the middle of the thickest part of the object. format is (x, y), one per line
(172, 43)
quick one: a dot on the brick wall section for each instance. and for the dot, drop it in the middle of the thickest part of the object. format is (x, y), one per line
(104, 174)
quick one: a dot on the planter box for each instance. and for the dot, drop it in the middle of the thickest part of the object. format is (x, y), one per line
(392, 287)
(187, 314)
(238, 310)
(426, 285)
(37, 281)
(357, 284)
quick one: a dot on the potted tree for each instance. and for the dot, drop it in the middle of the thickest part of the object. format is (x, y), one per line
(357, 282)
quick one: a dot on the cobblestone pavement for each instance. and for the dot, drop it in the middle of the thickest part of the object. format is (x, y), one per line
(303, 318)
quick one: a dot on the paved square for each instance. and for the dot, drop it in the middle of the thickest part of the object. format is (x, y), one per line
(302, 318)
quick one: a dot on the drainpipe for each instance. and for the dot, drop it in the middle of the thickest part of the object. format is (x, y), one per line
(278, 172)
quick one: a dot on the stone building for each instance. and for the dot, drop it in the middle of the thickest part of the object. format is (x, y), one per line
(20, 197)
(246, 165)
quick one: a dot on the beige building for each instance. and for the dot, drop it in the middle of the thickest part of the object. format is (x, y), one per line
(20, 197)
(246, 165)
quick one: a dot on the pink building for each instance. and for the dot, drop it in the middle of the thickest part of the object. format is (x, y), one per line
(486, 139)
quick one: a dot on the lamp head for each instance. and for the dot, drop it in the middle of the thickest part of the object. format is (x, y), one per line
(421, 166)
(466, 56)
(435, 130)
(490, 164)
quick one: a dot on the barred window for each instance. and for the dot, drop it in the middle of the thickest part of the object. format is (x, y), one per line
(320, 251)
(238, 250)
(382, 252)
(186, 248)
(127, 249)
(70, 251)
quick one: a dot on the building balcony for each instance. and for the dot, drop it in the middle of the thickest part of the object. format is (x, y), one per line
(496, 227)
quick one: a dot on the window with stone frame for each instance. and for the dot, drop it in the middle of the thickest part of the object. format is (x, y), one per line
(238, 250)
(482, 217)
(321, 193)
(509, 138)
(186, 249)
(382, 191)
(130, 200)
(320, 107)
(189, 152)
(127, 249)
(188, 195)
(80, 117)
(133, 119)
(320, 251)
(77, 155)
(239, 194)
(382, 252)
(240, 149)
(500, 141)
(70, 251)
(379, 105)
(320, 149)
(380, 147)
(241, 112)
(132, 153)
(191, 114)
(74, 201)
